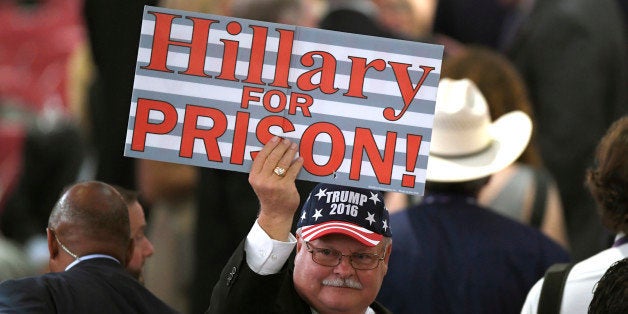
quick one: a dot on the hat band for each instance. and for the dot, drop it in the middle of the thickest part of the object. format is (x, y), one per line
(363, 235)
(482, 149)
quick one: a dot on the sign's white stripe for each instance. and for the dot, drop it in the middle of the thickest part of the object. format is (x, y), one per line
(328, 107)
(375, 86)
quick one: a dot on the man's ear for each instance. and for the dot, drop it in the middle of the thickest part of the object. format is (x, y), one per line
(129, 252)
(387, 257)
(53, 247)
(388, 251)
(299, 243)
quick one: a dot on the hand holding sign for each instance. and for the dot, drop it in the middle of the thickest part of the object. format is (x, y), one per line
(276, 190)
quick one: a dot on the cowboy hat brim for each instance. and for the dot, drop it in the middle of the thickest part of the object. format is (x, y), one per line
(510, 135)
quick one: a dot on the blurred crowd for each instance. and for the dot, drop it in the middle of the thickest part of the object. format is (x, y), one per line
(66, 77)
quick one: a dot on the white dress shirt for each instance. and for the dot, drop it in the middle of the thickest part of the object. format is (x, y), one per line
(581, 281)
(86, 257)
(264, 255)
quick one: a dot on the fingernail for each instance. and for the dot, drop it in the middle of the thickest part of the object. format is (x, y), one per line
(275, 139)
(293, 146)
(286, 141)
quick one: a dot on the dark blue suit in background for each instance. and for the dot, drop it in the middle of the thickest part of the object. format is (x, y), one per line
(452, 256)
(92, 286)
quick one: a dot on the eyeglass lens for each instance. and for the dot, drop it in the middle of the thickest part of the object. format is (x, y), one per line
(331, 258)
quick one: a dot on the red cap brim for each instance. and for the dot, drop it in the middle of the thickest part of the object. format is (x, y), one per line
(363, 235)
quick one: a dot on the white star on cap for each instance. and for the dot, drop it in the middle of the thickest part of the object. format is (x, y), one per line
(385, 225)
(317, 214)
(370, 218)
(374, 197)
(303, 216)
(321, 193)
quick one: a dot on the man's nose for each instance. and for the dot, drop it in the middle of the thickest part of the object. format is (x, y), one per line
(344, 269)
(148, 248)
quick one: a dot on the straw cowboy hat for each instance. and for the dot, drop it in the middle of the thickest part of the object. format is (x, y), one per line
(465, 144)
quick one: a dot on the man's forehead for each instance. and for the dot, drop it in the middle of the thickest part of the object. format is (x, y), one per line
(136, 214)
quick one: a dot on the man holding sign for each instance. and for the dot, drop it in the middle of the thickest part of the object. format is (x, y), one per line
(211, 90)
(343, 243)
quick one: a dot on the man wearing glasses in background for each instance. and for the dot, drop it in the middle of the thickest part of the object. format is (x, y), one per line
(343, 243)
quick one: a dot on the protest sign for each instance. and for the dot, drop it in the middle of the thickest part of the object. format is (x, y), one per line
(210, 90)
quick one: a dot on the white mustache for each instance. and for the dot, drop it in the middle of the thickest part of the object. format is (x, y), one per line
(338, 282)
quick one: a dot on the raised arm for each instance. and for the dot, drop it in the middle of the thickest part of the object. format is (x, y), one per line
(277, 193)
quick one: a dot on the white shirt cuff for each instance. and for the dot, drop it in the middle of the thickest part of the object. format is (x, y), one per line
(264, 255)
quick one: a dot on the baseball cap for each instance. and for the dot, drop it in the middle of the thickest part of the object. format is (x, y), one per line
(335, 209)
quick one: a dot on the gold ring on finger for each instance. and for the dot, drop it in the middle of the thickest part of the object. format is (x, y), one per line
(280, 171)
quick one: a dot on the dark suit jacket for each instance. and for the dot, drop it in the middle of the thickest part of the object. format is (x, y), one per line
(240, 290)
(97, 285)
(573, 57)
(452, 256)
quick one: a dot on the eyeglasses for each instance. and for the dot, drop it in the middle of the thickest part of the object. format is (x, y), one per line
(63, 246)
(332, 258)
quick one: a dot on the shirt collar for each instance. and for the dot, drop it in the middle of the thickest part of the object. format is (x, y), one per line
(90, 256)
(369, 310)
(620, 239)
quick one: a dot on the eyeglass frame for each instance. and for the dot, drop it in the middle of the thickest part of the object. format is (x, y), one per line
(341, 256)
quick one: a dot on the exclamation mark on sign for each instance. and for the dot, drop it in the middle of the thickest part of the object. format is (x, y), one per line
(413, 144)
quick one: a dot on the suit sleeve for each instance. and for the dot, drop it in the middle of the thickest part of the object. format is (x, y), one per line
(241, 290)
(24, 296)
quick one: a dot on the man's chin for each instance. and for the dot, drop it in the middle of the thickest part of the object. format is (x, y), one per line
(137, 275)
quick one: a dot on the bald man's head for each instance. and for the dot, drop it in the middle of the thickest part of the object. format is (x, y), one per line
(92, 218)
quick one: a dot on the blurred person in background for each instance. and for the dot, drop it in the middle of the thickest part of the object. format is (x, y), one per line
(89, 244)
(41, 147)
(525, 190)
(169, 189)
(607, 181)
(354, 16)
(553, 43)
(407, 19)
(142, 248)
(452, 254)
(14, 263)
(113, 27)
